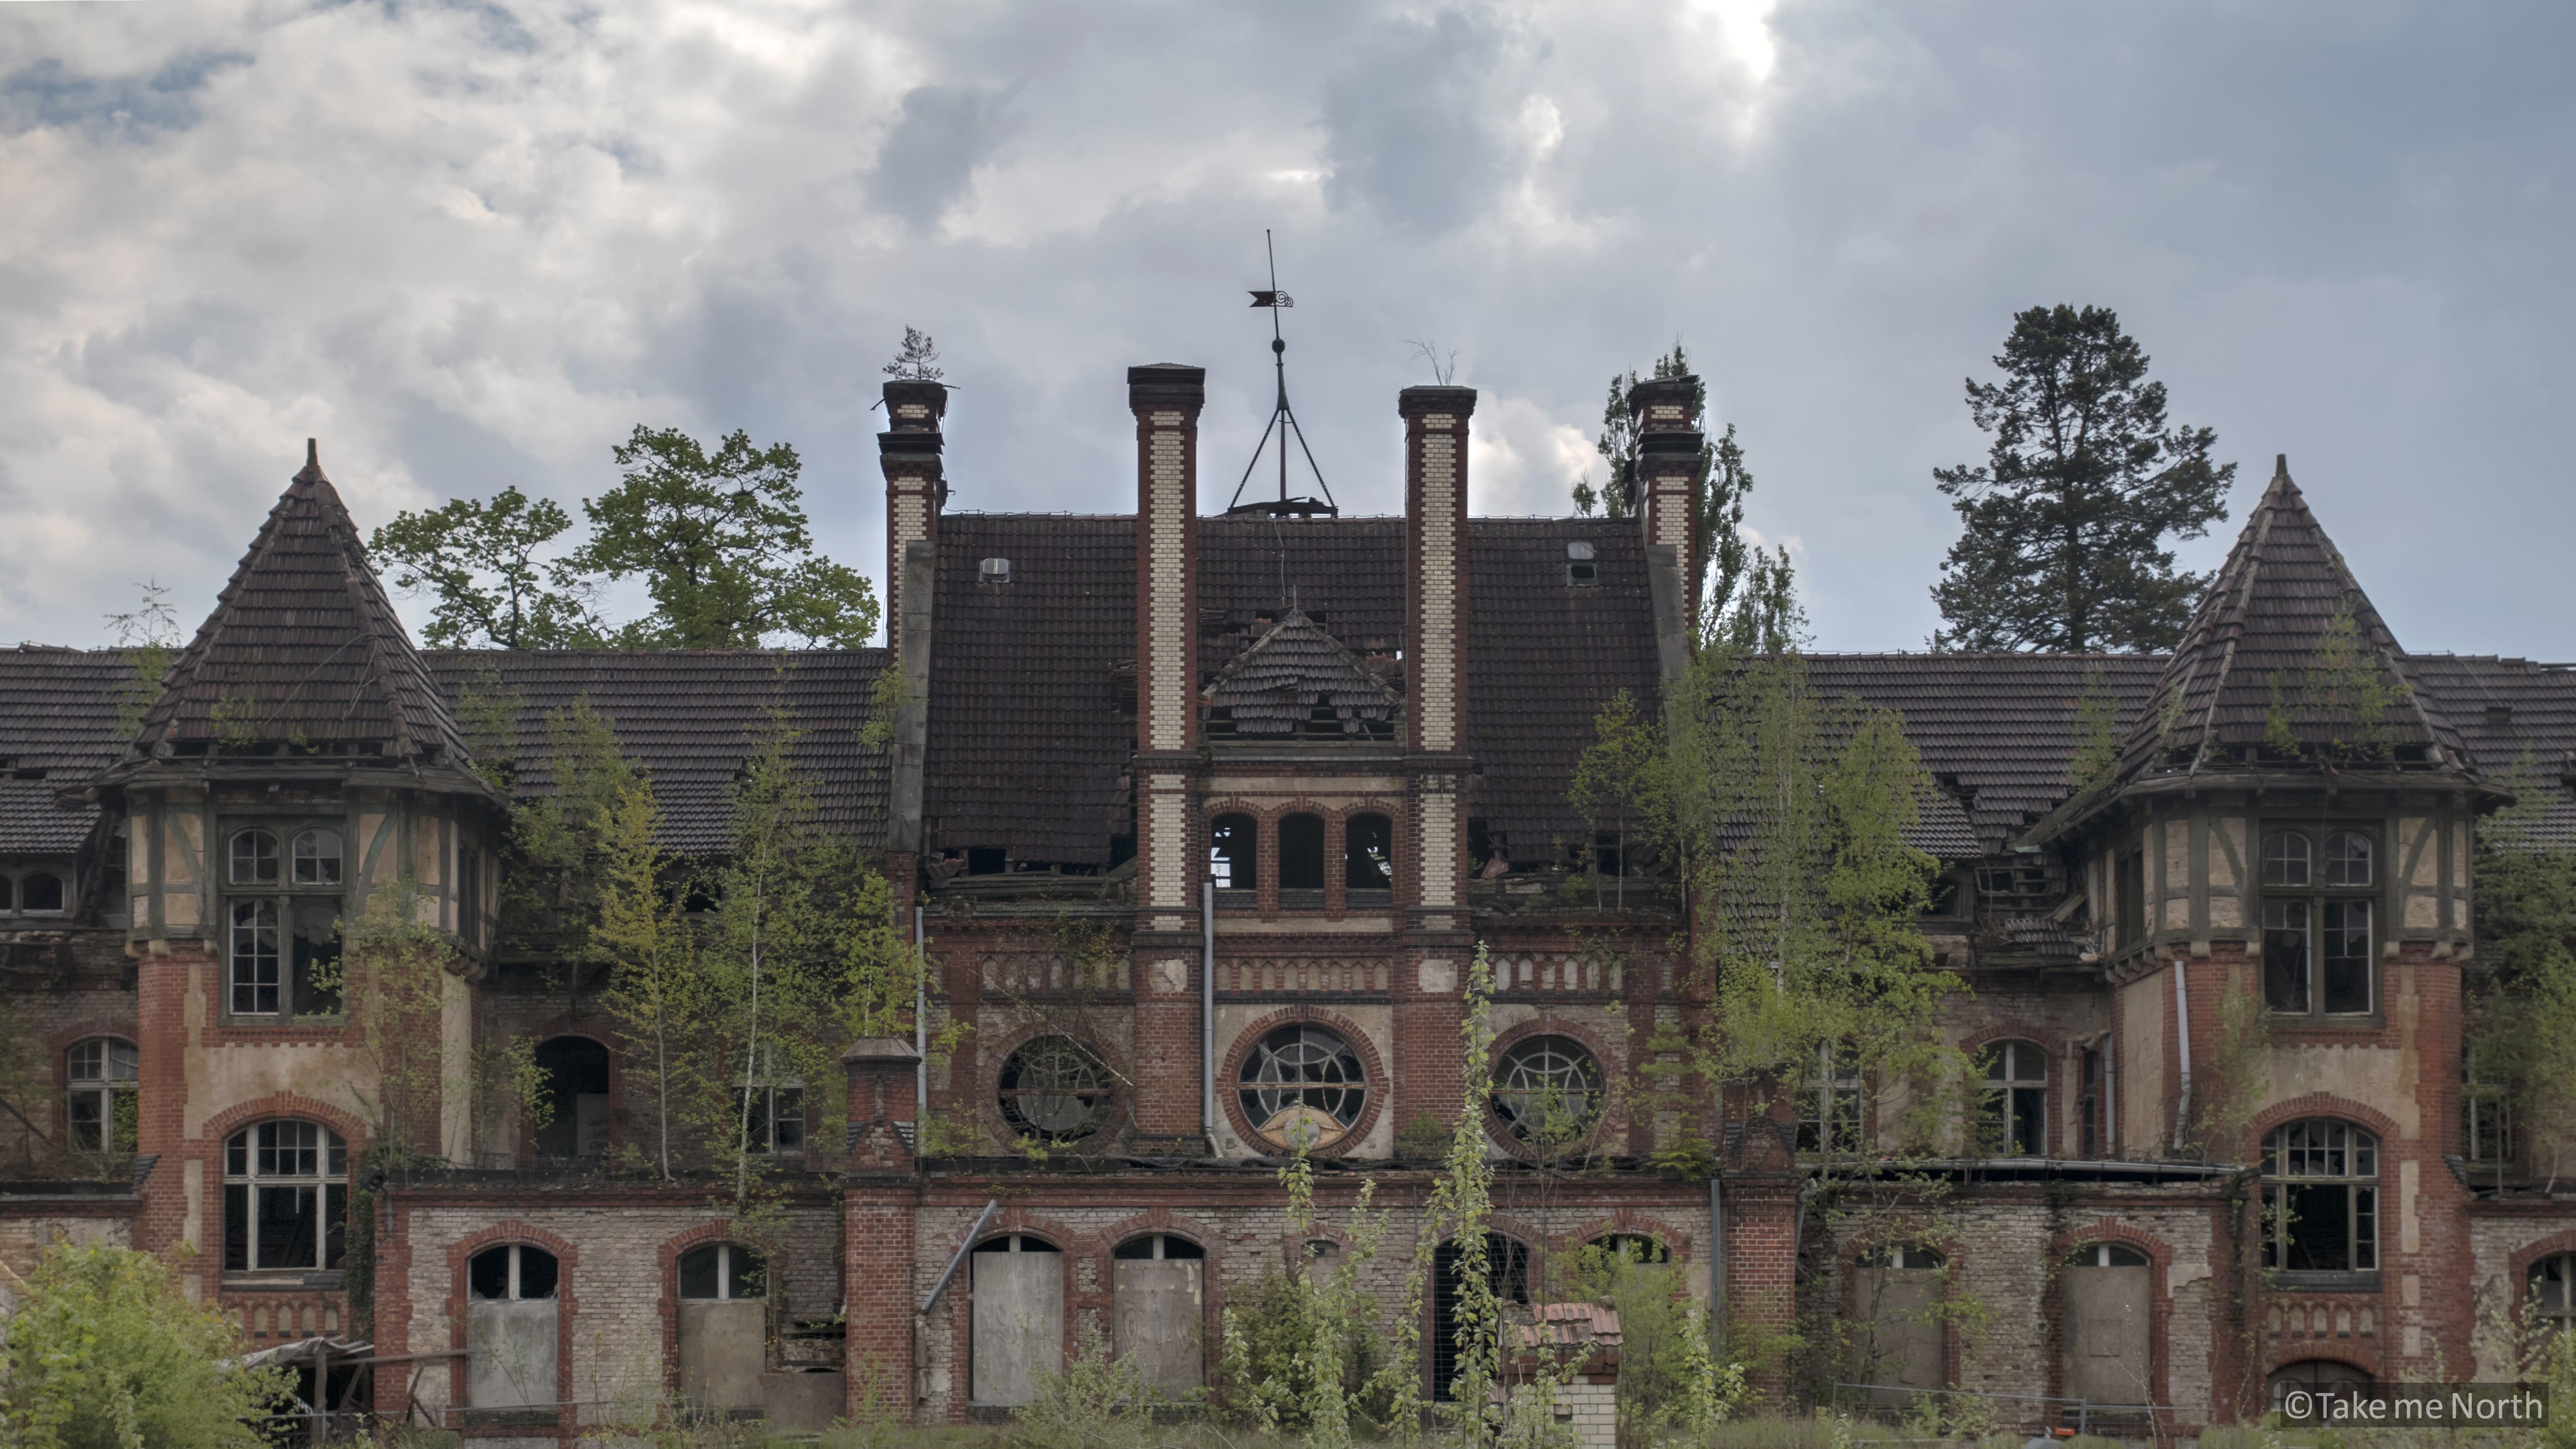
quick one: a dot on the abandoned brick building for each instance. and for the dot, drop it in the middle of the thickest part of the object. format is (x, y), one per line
(1297, 769)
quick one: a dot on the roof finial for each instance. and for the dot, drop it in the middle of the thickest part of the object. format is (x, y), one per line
(2280, 465)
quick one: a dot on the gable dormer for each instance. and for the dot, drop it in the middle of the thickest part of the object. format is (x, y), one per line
(1297, 682)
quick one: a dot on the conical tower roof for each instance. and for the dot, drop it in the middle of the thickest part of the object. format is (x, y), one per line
(1299, 680)
(2286, 661)
(303, 653)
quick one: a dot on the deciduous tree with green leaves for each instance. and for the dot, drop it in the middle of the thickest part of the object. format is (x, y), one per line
(105, 1352)
(2067, 521)
(479, 559)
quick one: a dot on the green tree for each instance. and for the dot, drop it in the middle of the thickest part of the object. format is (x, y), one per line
(105, 1352)
(2066, 521)
(479, 561)
(2524, 976)
(721, 544)
(917, 360)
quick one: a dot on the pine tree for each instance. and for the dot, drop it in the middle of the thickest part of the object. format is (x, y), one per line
(918, 359)
(2068, 518)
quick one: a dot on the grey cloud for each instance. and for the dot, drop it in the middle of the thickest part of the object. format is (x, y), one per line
(1408, 130)
(48, 93)
(929, 157)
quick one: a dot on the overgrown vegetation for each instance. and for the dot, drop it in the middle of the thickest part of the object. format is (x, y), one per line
(105, 1352)
(2523, 1030)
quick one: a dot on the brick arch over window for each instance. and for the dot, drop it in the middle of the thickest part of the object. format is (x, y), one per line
(461, 1254)
(1230, 1073)
(1210, 1242)
(2052, 1306)
(666, 1259)
(539, 1033)
(1847, 1258)
(2051, 1127)
(1069, 1244)
(279, 1106)
(2320, 1104)
(2518, 1286)
(1609, 1126)
(1681, 1245)
(997, 1055)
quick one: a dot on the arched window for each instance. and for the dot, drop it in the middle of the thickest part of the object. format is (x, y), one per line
(2013, 1106)
(40, 893)
(2551, 1286)
(511, 1343)
(2317, 927)
(1368, 858)
(1547, 1090)
(1055, 1089)
(1016, 1322)
(724, 1326)
(1301, 855)
(576, 1073)
(512, 1273)
(1302, 1086)
(286, 1198)
(2109, 1314)
(1903, 1343)
(101, 1109)
(1234, 860)
(1156, 1283)
(2321, 1198)
(1506, 1268)
(254, 859)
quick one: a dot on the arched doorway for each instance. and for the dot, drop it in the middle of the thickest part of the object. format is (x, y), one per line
(1897, 1296)
(576, 1070)
(1159, 1287)
(724, 1326)
(2109, 1300)
(1017, 1331)
(510, 1327)
(1507, 1266)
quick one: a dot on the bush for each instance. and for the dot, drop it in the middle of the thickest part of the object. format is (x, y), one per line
(104, 1352)
(1268, 1374)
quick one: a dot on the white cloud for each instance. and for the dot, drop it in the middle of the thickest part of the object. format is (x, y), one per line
(1522, 461)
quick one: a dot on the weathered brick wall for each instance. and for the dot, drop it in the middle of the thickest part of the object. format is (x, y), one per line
(2502, 1240)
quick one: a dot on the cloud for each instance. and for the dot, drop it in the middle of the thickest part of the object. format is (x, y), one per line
(1409, 125)
(1523, 461)
(929, 157)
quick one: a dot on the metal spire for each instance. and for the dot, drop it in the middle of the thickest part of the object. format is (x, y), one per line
(1283, 420)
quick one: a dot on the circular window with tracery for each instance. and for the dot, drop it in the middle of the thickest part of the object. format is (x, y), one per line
(1548, 1090)
(1302, 1086)
(1056, 1088)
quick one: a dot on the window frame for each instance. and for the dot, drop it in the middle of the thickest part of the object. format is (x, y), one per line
(2323, 910)
(2542, 1316)
(726, 1278)
(1595, 1094)
(296, 997)
(1100, 1097)
(247, 1184)
(2008, 1104)
(1304, 1091)
(1832, 1110)
(1240, 850)
(2339, 1146)
(104, 1088)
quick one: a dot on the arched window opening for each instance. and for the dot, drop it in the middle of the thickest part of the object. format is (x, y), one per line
(1301, 859)
(510, 1327)
(724, 1326)
(1054, 1088)
(1368, 860)
(2109, 1301)
(576, 1073)
(1548, 1091)
(286, 1198)
(2321, 1195)
(1016, 1330)
(1234, 861)
(2317, 925)
(102, 1111)
(1506, 1269)
(2550, 1287)
(40, 893)
(1302, 1086)
(1904, 1343)
(2013, 1105)
(1157, 1284)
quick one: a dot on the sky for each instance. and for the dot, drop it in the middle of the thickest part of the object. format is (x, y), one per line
(473, 245)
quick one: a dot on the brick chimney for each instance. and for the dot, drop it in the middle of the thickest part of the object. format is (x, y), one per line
(916, 489)
(1431, 873)
(1166, 398)
(1668, 448)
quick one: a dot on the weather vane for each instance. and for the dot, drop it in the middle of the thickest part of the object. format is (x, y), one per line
(1283, 419)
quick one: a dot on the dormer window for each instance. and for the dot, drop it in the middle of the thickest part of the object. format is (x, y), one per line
(994, 571)
(1580, 569)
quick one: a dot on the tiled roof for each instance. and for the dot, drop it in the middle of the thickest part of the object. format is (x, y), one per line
(2250, 661)
(1998, 731)
(1276, 688)
(1028, 744)
(690, 716)
(2517, 720)
(58, 727)
(303, 645)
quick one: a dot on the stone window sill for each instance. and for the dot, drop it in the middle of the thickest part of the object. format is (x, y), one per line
(2288, 1282)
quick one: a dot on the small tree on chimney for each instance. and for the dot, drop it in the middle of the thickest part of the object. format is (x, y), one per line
(917, 360)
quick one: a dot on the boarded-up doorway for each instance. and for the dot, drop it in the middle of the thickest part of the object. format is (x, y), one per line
(2109, 1302)
(724, 1326)
(510, 1336)
(1160, 1295)
(1904, 1345)
(1017, 1331)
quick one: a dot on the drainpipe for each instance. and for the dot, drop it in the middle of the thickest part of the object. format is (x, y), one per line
(2182, 1036)
(1207, 1011)
(920, 1033)
(1716, 1262)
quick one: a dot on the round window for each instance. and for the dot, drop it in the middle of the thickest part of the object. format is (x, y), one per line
(1302, 1086)
(1547, 1089)
(1055, 1088)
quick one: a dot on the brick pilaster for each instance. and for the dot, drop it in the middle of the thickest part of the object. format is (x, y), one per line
(916, 488)
(1429, 1003)
(1166, 399)
(877, 1287)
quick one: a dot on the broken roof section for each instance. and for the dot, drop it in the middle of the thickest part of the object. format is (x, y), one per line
(2287, 660)
(1297, 680)
(303, 651)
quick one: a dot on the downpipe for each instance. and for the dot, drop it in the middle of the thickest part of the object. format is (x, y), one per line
(2182, 1037)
